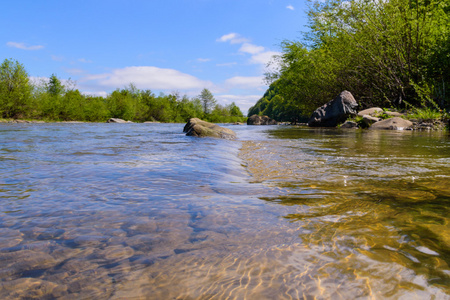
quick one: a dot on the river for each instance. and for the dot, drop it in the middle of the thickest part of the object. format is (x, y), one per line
(141, 211)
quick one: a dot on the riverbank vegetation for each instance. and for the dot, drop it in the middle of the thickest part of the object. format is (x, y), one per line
(393, 54)
(51, 100)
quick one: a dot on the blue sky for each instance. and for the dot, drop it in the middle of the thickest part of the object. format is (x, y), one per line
(162, 45)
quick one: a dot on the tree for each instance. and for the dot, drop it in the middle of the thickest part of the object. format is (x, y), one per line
(234, 110)
(54, 86)
(15, 90)
(208, 101)
(387, 53)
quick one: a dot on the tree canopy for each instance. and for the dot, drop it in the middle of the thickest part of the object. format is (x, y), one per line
(15, 90)
(52, 100)
(392, 53)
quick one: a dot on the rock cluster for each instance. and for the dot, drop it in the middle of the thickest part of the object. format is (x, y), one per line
(261, 120)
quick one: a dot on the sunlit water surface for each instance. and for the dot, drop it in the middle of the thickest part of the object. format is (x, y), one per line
(140, 211)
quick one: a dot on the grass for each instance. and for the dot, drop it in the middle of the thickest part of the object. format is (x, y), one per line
(426, 114)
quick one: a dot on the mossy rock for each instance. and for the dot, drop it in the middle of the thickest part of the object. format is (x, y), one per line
(200, 128)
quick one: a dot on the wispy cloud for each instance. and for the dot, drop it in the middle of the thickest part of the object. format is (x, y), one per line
(247, 82)
(264, 58)
(233, 38)
(203, 59)
(259, 54)
(42, 81)
(146, 77)
(74, 71)
(290, 7)
(57, 58)
(251, 49)
(23, 46)
(86, 61)
(243, 101)
(229, 64)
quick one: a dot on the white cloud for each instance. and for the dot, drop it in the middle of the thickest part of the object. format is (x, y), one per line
(244, 102)
(203, 59)
(245, 82)
(233, 38)
(290, 7)
(264, 57)
(259, 55)
(251, 49)
(42, 81)
(103, 94)
(145, 77)
(86, 61)
(24, 46)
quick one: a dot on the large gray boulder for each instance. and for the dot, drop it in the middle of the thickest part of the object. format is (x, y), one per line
(200, 128)
(334, 112)
(261, 120)
(395, 123)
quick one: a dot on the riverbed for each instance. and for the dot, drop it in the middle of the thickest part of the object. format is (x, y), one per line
(141, 211)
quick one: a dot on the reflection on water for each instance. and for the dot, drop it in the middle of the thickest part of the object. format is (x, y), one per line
(140, 211)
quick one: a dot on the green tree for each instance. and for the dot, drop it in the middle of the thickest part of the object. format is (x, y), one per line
(208, 101)
(54, 86)
(15, 90)
(387, 53)
(234, 110)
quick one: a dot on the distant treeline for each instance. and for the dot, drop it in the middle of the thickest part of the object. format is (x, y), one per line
(392, 54)
(52, 101)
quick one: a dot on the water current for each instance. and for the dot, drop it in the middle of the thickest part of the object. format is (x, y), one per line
(141, 211)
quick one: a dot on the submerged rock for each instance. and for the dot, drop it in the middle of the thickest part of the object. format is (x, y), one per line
(334, 112)
(261, 120)
(200, 128)
(395, 123)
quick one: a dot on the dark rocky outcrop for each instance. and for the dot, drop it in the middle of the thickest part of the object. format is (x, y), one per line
(395, 123)
(334, 112)
(261, 120)
(200, 128)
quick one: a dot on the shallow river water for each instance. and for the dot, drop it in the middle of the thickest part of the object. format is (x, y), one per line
(140, 211)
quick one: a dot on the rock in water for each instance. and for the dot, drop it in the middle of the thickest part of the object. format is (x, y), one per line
(117, 120)
(197, 127)
(395, 123)
(334, 112)
(261, 120)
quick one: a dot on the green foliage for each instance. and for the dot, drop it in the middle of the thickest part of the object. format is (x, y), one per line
(208, 101)
(426, 114)
(51, 100)
(387, 53)
(54, 86)
(15, 90)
